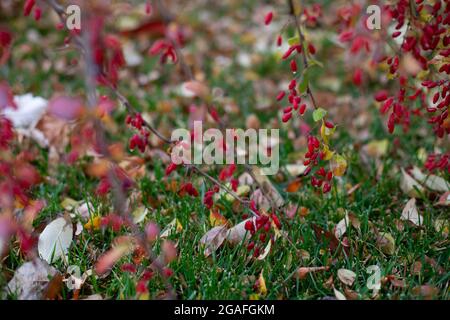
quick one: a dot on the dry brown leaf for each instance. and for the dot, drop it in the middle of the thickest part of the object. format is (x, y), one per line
(302, 272)
(444, 200)
(237, 234)
(410, 213)
(339, 295)
(213, 239)
(432, 182)
(346, 276)
(31, 280)
(427, 292)
(410, 186)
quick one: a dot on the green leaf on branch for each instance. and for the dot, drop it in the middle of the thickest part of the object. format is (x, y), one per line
(294, 40)
(319, 114)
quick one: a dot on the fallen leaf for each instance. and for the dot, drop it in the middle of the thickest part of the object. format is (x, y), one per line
(339, 295)
(410, 213)
(31, 280)
(350, 294)
(262, 289)
(432, 182)
(346, 276)
(376, 148)
(427, 292)
(29, 111)
(386, 243)
(295, 169)
(444, 200)
(442, 224)
(410, 186)
(213, 239)
(216, 219)
(326, 236)
(139, 214)
(54, 287)
(55, 240)
(173, 226)
(237, 234)
(266, 251)
(302, 272)
(341, 227)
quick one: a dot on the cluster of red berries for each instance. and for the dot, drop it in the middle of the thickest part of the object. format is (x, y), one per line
(438, 161)
(424, 40)
(208, 199)
(138, 140)
(227, 173)
(188, 188)
(259, 228)
(165, 48)
(28, 7)
(321, 178)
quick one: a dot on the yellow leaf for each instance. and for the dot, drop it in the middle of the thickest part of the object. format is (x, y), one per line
(262, 289)
(338, 165)
(325, 132)
(69, 204)
(168, 230)
(327, 153)
(94, 223)
(216, 219)
(377, 148)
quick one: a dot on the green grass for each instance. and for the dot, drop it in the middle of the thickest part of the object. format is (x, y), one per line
(228, 273)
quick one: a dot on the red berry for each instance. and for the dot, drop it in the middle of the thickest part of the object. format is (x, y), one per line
(268, 18)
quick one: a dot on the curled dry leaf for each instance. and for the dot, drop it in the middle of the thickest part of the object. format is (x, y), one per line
(213, 239)
(341, 226)
(55, 240)
(31, 280)
(346, 276)
(432, 182)
(444, 200)
(302, 272)
(410, 213)
(266, 251)
(410, 186)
